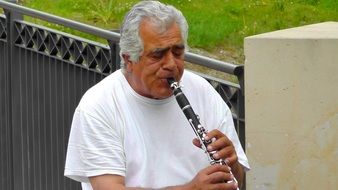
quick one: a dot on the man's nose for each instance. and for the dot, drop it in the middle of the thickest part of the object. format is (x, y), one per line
(169, 62)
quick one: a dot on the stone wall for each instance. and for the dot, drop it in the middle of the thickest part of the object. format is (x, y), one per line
(291, 99)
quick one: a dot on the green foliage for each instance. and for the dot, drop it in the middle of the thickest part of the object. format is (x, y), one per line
(213, 25)
(108, 12)
(102, 13)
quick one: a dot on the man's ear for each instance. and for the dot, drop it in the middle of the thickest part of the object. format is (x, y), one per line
(128, 63)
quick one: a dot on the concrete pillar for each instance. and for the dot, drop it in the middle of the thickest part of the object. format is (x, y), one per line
(291, 99)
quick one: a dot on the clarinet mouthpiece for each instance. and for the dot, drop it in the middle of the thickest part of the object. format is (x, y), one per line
(170, 80)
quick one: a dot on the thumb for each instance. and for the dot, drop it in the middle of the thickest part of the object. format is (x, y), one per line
(196, 142)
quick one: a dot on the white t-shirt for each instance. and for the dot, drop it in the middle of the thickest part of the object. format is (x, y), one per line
(117, 131)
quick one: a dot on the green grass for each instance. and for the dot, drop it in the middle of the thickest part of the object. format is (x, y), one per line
(214, 25)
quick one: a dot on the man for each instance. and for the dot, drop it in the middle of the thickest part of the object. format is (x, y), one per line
(128, 131)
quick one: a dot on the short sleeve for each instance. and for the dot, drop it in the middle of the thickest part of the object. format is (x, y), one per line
(228, 127)
(95, 147)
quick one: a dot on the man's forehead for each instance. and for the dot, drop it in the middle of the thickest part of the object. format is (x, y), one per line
(155, 41)
(173, 46)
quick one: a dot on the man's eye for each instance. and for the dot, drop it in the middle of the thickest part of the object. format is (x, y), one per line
(157, 55)
(177, 53)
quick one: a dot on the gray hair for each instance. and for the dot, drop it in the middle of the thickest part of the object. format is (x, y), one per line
(160, 14)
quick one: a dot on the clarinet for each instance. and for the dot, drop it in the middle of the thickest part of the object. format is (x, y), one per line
(194, 121)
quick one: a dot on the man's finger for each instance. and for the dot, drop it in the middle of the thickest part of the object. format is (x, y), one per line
(220, 143)
(224, 153)
(220, 177)
(216, 168)
(214, 134)
(197, 142)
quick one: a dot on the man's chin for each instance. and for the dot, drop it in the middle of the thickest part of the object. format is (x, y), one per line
(163, 95)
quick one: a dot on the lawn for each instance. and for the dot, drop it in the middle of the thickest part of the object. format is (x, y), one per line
(217, 27)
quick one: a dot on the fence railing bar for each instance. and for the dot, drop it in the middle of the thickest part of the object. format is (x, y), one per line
(74, 37)
(209, 77)
(211, 63)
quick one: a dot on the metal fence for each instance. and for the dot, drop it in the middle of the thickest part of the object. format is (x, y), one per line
(43, 74)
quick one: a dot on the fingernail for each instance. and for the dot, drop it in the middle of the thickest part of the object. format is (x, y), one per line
(216, 156)
(206, 137)
(209, 148)
(226, 161)
(229, 168)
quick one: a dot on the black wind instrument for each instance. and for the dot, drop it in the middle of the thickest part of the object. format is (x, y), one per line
(194, 121)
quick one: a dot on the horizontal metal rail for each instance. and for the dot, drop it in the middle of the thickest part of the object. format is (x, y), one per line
(115, 37)
(213, 63)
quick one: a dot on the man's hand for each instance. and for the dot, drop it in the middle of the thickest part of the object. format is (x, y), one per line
(222, 145)
(212, 177)
(224, 150)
